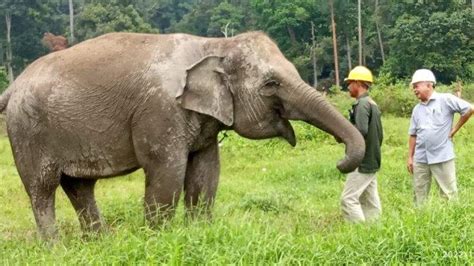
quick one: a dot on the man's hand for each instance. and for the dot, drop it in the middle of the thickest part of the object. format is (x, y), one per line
(411, 152)
(410, 165)
(451, 134)
(338, 139)
(461, 122)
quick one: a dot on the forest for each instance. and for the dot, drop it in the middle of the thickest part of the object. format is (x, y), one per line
(323, 39)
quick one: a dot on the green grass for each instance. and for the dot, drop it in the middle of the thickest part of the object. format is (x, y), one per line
(275, 205)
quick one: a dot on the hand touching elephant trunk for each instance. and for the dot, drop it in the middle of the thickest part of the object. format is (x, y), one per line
(309, 105)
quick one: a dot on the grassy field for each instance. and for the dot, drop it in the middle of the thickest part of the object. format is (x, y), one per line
(276, 204)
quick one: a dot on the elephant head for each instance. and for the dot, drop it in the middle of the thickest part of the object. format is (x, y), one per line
(247, 84)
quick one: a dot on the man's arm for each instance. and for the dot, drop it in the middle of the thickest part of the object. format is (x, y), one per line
(362, 118)
(461, 122)
(411, 152)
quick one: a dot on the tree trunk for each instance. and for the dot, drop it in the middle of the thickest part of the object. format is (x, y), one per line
(71, 22)
(334, 43)
(313, 56)
(379, 34)
(226, 27)
(360, 31)
(348, 49)
(363, 50)
(8, 20)
(292, 34)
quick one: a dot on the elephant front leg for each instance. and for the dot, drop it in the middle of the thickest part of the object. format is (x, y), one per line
(163, 186)
(202, 178)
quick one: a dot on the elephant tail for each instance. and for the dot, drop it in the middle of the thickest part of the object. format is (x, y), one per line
(4, 98)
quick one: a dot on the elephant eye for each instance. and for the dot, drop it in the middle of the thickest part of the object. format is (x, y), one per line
(272, 83)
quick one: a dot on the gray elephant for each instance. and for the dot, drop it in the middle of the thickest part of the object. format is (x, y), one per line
(123, 101)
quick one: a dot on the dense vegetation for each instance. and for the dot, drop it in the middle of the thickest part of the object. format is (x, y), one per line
(397, 36)
(275, 205)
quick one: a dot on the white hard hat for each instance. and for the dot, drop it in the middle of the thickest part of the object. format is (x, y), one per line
(423, 75)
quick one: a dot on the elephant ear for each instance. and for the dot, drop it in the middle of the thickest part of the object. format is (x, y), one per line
(206, 90)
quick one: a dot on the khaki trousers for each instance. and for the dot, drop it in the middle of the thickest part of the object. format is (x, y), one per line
(360, 198)
(444, 174)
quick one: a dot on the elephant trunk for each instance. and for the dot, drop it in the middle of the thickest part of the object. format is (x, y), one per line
(309, 105)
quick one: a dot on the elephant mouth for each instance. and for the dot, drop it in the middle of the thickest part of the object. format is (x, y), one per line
(287, 132)
(284, 128)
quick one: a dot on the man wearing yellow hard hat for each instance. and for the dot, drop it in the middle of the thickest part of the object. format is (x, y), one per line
(360, 198)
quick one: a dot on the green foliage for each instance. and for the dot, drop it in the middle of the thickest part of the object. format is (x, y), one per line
(196, 21)
(100, 18)
(415, 34)
(30, 19)
(3, 79)
(283, 20)
(397, 99)
(225, 14)
(160, 14)
(466, 89)
(442, 42)
(340, 99)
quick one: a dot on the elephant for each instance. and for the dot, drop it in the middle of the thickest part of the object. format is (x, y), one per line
(125, 101)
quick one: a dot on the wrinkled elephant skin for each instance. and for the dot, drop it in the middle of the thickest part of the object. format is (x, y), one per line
(124, 101)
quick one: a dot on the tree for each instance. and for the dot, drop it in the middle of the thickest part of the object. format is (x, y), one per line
(3, 79)
(98, 18)
(164, 14)
(377, 19)
(334, 42)
(8, 23)
(284, 20)
(223, 16)
(442, 42)
(359, 28)
(197, 20)
(398, 36)
(29, 19)
(347, 32)
(71, 21)
(313, 56)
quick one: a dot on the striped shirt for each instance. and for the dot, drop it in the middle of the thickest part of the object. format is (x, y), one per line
(431, 122)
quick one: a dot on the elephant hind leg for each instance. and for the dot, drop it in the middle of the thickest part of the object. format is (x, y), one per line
(40, 184)
(80, 192)
(202, 177)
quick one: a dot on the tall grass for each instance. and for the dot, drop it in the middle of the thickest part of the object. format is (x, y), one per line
(275, 205)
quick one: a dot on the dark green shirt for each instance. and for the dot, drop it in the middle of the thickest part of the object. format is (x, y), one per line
(365, 116)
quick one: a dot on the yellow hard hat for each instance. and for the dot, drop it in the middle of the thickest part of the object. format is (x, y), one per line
(360, 73)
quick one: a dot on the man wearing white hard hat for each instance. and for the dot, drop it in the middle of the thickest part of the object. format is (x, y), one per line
(430, 152)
